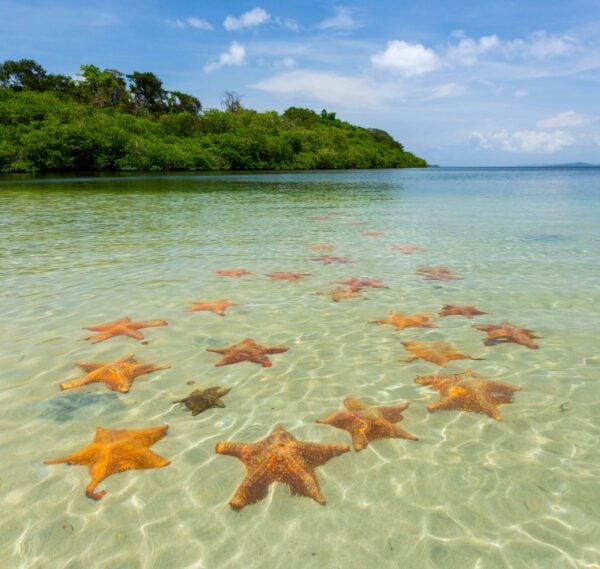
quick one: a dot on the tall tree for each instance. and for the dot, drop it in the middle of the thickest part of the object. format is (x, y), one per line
(103, 88)
(148, 93)
(23, 74)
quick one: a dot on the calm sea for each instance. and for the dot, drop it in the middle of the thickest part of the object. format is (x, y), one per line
(471, 493)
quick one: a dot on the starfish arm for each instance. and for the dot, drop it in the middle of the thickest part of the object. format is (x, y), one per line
(447, 404)
(502, 393)
(393, 414)
(79, 382)
(83, 456)
(221, 351)
(89, 366)
(143, 369)
(218, 403)
(383, 431)
(409, 359)
(276, 349)
(305, 483)
(133, 333)
(316, 454)
(338, 419)
(360, 440)
(137, 459)
(146, 437)
(98, 328)
(254, 488)
(100, 337)
(150, 323)
(238, 450)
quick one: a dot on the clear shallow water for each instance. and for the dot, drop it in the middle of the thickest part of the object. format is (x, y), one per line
(471, 493)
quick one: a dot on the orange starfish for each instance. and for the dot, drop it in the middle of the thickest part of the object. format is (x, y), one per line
(123, 327)
(233, 273)
(408, 249)
(439, 353)
(358, 284)
(342, 294)
(455, 310)
(279, 457)
(217, 306)
(328, 259)
(247, 351)
(294, 277)
(507, 332)
(438, 274)
(115, 451)
(117, 376)
(321, 247)
(468, 392)
(402, 321)
(366, 424)
(371, 233)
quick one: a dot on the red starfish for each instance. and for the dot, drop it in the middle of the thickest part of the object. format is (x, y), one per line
(328, 259)
(507, 332)
(247, 351)
(122, 327)
(295, 277)
(235, 273)
(408, 249)
(438, 274)
(355, 284)
(371, 233)
(455, 310)
(216, 306)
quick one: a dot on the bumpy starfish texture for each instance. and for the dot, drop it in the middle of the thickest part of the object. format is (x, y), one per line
(117, 376)
(402, 321)
(438, 274)
(279, 457)
(366, 424)
(408, 249)
(294, 277)
(342, 294)
(358, 284)
(468, 392)
(439, 353)
(114, 451)
(507, 332)
(371, 233)
(328, 259)
(321, 247)
(455, 310)
(233, 273)
(247, 351)
(202, 399)
(217, 306)
(122, 327)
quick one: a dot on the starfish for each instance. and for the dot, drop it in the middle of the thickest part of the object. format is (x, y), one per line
(455, 310)
(217, 306)
(402, 321)
(438, 274)
(115, 451)
(439, 353)
(247, 351)
(294, 277)
(328, 259)
(507, 332)
(202, 399)
(468, 392)
(371, 233)
(366, 424)
(342, 294)
(279, 457)
(358, 284)
(234, 273)
(122, 327)
(321, 247)
(408, 249)
(117, 376)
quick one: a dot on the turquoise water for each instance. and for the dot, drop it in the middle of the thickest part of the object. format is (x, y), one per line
(471, 493)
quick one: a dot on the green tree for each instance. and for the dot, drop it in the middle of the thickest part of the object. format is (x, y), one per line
(23, 74)
(148, 93)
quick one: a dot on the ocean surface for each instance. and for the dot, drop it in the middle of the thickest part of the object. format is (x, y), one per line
(471, 493)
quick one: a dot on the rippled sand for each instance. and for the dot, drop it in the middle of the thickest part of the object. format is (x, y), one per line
(472, 493)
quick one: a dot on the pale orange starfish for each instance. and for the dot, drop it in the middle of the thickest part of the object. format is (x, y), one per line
(408, 249)
(468, 392)
(233, 273)
(217, 306)
(402, 321)
(358, 284)
(439, 353)
(247, 351)
(114, 451)
(438, 274)
(366, 424)
(122, 327)
(342, 294)
(455, 310)
(328, 259)
(507, 332)
(294, 277)
(118, 375)
(279, 457)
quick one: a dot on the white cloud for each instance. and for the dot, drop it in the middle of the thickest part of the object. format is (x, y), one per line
(540, 45)
(448, 90)
(235, 55)
(329, 88)
(408, 58)
(251, 19)
(191, 22)
(524, 141)
(568, 119)
(467, 50)
(343, 20)
(288, 23)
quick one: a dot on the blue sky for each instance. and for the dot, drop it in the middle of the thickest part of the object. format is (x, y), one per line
(457, 82)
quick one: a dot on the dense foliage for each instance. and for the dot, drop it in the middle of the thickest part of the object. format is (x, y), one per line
(107, 121)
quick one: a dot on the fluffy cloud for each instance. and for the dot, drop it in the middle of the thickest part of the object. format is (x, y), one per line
(191, 22)
(568, 119)
(524, 141)
(467, 50)
(235, 55)
(343, 20)
(540, 45)
(251, 19)
(329, 88)
(407, 58)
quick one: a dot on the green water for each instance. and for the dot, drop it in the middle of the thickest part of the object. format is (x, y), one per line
(471, 493)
